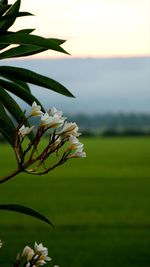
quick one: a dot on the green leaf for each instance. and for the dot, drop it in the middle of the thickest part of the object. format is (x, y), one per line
(30, 39)
(22, 51)
(21, 31)
(7, 127)
(25, 210)
(4, 8)
(4, 115)
(20, 92)
(4, 128)
(14, 16)
(26, 50)
(33, 78)
(14, 109)
(3, 46)
(11, 105)
(22, 84)
(13, 10)
(4, 2)
(26, 31)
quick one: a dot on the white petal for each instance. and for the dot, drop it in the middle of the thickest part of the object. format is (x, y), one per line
(26, 251)
(1, 243)
(70, 128)
(36, 110)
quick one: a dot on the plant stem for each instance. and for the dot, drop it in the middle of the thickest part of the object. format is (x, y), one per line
(10, 175)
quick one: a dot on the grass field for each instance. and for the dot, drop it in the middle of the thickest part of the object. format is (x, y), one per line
(100, 207)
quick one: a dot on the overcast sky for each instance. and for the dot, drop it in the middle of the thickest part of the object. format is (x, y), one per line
(93, 28)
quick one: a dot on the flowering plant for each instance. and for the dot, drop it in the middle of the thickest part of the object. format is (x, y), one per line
(60, 132)
(32, 257)
(62, 144)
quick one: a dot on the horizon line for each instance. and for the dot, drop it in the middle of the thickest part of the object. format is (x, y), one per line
(79, 57)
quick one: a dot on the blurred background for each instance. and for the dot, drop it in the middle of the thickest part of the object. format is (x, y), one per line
(99, 205)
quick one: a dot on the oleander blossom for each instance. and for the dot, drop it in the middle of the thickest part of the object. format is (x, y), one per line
(28, 253)
(69, 128)
(23, 131)
(34, 257)
(36, 110)
(61, 144)
(51, 121)
(42, 252)
(76, 148)
(55, 112)
(74, 143)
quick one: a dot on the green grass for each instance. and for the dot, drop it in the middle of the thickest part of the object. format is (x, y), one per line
(99, 205)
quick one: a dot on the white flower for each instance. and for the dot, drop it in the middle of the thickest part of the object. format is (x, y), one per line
(69, 128)
(39, 255)
(76, 147)
(74, 143)
(40, 249)
(51, 121)
(1, 243)
(27, 252)
(43, 252)
(36, 110)
(25, 130)
(79, 153)
(54, 112)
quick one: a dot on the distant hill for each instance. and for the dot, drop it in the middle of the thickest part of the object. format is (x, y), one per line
(112, 121)
(100, 85)
(113, 124)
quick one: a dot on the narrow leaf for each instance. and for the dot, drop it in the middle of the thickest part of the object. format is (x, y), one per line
(30, 39)
(21, 31)
(14, 109)
(4, 115)
(14, 16)
(20, 92)
(4, 2)
(22, 51)
(13, 10)
(4, 8)
(11, 105)
(7, 127)
(24, 13)
(27, 50)
(20, 83)
(26, 30)
(4, 127)
(33, 78)
(25, 210)
(2, 46)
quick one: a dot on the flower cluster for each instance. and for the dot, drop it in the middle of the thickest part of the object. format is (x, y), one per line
(63, 141)
(33, 257)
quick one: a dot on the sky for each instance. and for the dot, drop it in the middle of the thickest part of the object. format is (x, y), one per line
(100, 85)
(92, 28)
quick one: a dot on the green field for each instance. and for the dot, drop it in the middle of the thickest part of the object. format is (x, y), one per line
(100, 206)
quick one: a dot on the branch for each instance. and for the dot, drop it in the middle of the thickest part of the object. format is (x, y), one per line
(11, 175)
